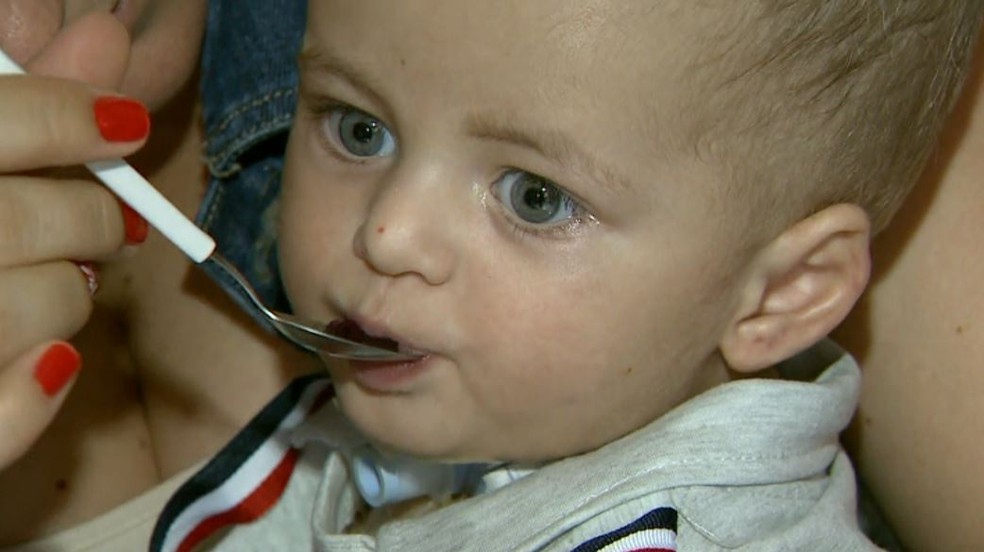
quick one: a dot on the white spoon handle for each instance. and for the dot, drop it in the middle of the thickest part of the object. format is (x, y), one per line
(140, 194)
(160, 213)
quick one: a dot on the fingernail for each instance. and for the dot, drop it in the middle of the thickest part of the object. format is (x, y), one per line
(56, 367)
(134, 226)
(121, 119)
(88, 270)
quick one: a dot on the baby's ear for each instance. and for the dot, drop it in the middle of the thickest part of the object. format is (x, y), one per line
(802, 285)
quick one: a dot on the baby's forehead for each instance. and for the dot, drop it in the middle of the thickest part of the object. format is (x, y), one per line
(572, 43)
(640, 62)
(619, 77)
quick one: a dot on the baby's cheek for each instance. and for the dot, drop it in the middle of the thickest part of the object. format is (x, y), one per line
(298, 268)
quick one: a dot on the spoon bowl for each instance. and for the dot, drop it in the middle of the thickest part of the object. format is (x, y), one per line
(306, 334)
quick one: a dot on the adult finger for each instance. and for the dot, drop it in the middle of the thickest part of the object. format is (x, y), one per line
(41, 219)
(39, 303)
(94, 49)
(52, 122)
(27, 25)
(32, 389)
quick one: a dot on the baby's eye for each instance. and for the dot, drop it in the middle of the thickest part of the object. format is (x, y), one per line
(534, 199)
(359, 134)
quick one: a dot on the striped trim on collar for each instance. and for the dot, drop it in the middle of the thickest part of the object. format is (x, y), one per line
(246, 477)
(654, 532)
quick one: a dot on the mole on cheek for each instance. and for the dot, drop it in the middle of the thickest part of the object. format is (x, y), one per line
(380, 230)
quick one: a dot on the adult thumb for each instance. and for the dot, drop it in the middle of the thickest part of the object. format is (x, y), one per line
(32, 389)
(93, 49)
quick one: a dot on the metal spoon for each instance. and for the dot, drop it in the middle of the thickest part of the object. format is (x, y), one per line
(138, 193)
(132, 188)
(306, 334)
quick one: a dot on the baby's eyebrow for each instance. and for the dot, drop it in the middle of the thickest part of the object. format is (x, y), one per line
(315, 61)
(552, 144)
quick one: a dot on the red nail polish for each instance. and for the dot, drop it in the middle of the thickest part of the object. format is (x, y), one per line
(56, 367)
(134, 226)
(121, 119)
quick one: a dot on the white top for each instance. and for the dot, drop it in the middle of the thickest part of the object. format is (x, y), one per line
(126, 528)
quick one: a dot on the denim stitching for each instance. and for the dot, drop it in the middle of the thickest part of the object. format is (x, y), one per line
(258, 102)
(217, 160)
(214, 206)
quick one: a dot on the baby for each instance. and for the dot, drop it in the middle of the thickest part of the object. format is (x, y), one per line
(594, 221)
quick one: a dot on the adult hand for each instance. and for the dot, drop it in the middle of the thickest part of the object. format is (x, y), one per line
(64, 114)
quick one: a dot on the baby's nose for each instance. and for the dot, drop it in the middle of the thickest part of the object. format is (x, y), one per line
(410, 230)
(26, 26)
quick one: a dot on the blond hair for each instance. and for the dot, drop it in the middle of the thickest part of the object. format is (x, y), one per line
(818, 102)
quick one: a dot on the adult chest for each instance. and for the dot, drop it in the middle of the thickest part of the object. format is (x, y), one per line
(171, 369)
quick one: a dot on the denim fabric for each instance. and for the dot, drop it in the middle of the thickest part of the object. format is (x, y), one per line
(248, 87)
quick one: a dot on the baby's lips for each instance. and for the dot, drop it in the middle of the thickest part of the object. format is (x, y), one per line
(347, 329)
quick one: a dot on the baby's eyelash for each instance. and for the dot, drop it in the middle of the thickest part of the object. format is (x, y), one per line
(579, 215)
(559, 231)
(318, 105)
(315, 110)
(318, 109)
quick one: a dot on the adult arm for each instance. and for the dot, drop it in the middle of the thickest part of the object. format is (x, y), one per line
(48, 221)
(919, 334)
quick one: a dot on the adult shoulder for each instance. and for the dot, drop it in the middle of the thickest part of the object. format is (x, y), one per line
(919, 334)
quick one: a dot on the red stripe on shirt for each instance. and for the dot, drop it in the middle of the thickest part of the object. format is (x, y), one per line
(250, 508)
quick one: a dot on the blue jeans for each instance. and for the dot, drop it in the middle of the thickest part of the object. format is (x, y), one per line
(248, 87)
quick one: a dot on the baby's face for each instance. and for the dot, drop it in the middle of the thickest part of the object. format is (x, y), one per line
(165, 36)
(490, 182)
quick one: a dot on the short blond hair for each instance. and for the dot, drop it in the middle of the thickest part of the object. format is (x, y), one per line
(818, 102)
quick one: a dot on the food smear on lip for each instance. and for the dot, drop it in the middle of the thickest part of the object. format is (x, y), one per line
(347, 329)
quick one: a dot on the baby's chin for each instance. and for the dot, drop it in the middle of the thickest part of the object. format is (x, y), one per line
(440, 445)
(419, 442)
(425, 426)
(406, 431)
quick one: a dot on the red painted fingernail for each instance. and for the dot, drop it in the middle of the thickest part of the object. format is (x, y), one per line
(121, 119)
(88, 270)
(134, 226)
(56, 367)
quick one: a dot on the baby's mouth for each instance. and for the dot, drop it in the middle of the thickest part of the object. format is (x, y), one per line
(347, 329)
